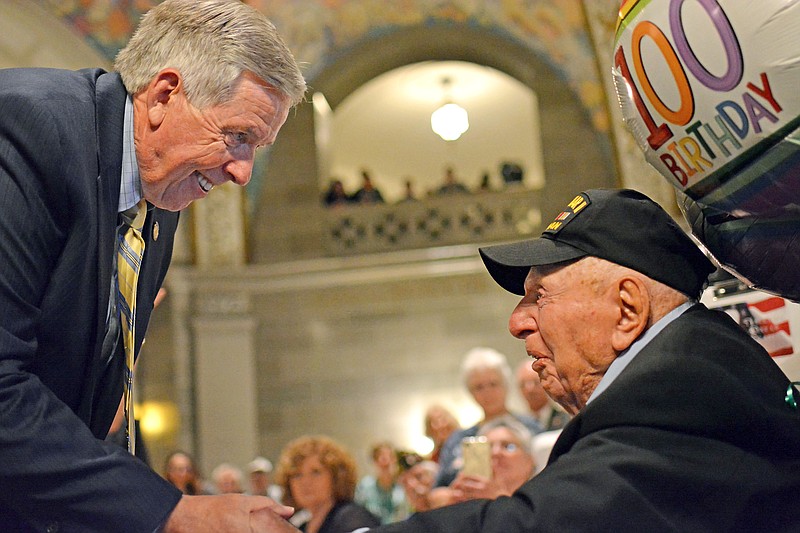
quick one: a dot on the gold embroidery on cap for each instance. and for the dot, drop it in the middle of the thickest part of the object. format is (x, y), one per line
(577, 203)
(573, 208)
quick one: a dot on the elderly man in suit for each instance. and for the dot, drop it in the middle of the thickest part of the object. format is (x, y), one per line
(200, 86)
(684, 422)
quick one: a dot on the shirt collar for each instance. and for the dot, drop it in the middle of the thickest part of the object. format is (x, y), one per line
(130, 188)
(624, 358)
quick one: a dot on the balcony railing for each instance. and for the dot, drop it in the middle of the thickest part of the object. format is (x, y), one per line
(435, 221)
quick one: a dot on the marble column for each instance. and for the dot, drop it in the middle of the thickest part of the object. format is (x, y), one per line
(226, 408)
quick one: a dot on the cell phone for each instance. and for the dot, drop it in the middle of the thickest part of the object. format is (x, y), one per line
(477, 453)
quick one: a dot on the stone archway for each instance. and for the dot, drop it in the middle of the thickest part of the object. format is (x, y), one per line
(285, 225)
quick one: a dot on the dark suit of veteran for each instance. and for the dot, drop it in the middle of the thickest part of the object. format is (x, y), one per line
(60, 384)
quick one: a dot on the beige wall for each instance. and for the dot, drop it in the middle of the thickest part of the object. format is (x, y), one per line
(32, 37)
(354, 348)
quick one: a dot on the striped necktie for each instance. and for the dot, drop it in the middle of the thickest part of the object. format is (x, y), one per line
(129, 260)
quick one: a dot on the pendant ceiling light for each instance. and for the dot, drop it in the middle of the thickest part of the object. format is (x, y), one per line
(450, 121)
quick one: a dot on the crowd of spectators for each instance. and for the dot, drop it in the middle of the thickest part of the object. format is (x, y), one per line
(451, 185)
(317, 475)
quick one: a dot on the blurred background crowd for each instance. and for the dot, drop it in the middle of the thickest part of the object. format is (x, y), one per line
(319, 477)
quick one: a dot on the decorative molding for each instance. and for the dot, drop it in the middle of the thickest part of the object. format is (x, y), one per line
(460, 219)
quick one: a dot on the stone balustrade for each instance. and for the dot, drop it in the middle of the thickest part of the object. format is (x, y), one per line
(435, 221)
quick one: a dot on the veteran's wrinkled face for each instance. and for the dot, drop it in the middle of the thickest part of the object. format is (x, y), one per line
(566, 322)
(183, 152)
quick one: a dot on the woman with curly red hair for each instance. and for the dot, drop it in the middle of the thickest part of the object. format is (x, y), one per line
(318, 476)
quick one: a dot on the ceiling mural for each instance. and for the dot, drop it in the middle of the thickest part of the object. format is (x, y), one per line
(316, 30)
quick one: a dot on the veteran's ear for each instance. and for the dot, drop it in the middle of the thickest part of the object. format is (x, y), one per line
(634, 311)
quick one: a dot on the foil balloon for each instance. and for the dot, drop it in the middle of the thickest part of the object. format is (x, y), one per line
(710, 90)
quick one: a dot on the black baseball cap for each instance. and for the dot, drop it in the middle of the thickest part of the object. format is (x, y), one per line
(619, 225)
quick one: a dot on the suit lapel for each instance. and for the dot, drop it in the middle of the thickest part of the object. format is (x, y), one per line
(110, 116)
(568, 436)
(103, 393)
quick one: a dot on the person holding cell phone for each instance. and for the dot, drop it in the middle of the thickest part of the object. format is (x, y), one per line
(487, 376)
(496, 463)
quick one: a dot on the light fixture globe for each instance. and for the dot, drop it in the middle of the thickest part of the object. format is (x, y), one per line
(450, 121)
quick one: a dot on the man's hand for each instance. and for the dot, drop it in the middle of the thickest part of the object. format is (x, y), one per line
(232, 513)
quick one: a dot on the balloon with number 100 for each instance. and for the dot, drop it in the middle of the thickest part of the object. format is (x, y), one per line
(710, 90)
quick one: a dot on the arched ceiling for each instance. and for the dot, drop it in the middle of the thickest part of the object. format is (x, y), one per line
(375, 126)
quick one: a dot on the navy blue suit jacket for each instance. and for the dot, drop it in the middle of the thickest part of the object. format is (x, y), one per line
(60, 165)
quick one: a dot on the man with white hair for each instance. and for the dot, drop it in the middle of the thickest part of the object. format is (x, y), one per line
(260, 472)
(94, 166)
(227, 479)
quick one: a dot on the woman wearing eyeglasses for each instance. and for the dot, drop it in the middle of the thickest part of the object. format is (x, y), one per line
(511, 460)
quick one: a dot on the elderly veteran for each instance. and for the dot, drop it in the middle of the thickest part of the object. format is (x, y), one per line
(684, 422)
